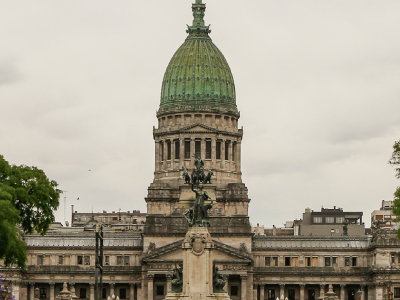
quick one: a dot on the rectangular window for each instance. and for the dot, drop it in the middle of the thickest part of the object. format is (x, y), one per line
(271, 294)
(40, 260)
(234, 290)
(291, 294)
(119, 260)
(397, 292)
(233, 151)
(197, 148)
(339, 220)
(82, 293)
(347, 261)
(104, 293)
(160, 290)
(80, 260)
(169, 150)
(187, 149)
(60, 260)
(317, 219)
(287, 261)
(218, 150)
(308, 261)
(327, 261)
(43, 293)
(315, 261)
(330, 220)
(122, 293)
(268, 261)
(208, 149)
(226, 150)
(295, 261)
(161, 151)
(87, 260)
(354, 261)
(334, 261)
(177, 149)
(275, 261)
(393, 260)
(126, 260)
(107, 260)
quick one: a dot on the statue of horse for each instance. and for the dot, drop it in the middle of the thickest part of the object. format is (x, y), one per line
(186, 175)
(207, 179)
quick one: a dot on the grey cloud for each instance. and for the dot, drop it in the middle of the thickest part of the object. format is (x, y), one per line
(9, 72)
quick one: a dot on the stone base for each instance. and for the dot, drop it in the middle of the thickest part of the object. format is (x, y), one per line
(216, 296)
(173, 296)
(222, 296)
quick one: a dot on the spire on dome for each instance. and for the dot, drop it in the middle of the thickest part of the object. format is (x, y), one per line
(198, 29)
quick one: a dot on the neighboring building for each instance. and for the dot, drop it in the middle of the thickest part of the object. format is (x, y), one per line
(331, 222)
(384, 217)
(198, 115)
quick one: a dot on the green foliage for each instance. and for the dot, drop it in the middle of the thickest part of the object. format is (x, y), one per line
(27, 201)
(395, 159)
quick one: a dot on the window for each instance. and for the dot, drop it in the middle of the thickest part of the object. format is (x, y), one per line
(80, 260)
(334, 261)
(291, 294)
(287, 261)
(315, 261)
(161, 151)
(218, 150)
(40, 259)
(169, 150)
(393, 260)
(339, 219)
(187, 149)
(268, 261)
(311, 294)
(107, 260)
(82, 293)
(177, 150)
(122, 293)
(126, 260)
(347, 261)
(160, 290)
(308, 261)
(234, 290)
(330, 220)
(87, 260)
(197, 148)
(104, 293)
(317, 219)
(208, 149)
(43, 293)
(233, 151)
(327, 261)
(60, 260)
(397, 292)
(275, 261)
(226, 150)
(271, 294)
(354, 261)
(295, 261)
(119, 260)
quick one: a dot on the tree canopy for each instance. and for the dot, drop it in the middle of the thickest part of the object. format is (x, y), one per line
(27, 203)
(395, 161)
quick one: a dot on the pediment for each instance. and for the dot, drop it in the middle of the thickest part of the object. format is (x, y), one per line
(197, 127)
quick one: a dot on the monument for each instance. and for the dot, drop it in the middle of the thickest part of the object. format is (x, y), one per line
(197, 277)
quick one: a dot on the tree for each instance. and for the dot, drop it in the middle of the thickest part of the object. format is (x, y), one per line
(27, 202)
(395, 161)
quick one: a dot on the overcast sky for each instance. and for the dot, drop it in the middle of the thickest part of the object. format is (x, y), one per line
(318, 87)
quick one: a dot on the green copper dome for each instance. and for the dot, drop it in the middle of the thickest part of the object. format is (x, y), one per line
(198, 76)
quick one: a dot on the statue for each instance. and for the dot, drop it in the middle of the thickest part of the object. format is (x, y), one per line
(208, 177)
(185, 175)
(177, 278)
(218, 281)
(197, 216)
(198, 172)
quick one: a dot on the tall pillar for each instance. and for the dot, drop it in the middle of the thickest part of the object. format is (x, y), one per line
(112, 286)
(238, 155)
(302, 286)
(169, 284)
(262, 291)
(322, 290)
(342, 294)
(255, 292)
(223, 154)
(379, 291)
(371, 295)
(192, 150)
(52, 290)
(157, 155)
(173, 154)
(203, 148)
(131, 291)
(150, 287)
(282, 291)
(182, 151)
(213, 150)
(92, 292)
(243, 279)
(362, 289)
(31, 291)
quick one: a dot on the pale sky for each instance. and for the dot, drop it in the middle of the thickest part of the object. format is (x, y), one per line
(317, 82)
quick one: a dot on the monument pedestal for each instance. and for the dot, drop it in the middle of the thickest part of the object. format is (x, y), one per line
(197, 268)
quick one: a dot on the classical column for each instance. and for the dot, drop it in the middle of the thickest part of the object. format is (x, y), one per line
(131, 291)
(371, 295)
(169, 285)
(51, 290)
(322, 290)
(112, 285)
(223, 154)
(182, 151)
(213, 150)
(150, 287)
(379, 291)
(362, 289)
(92, 292)
(282, 291)
(254, 291)
(192, 150)
(238, 155)
(342, 294)
(157, 155)
(243, 279)
(302, 286)
(262, 291)
(32, 291)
